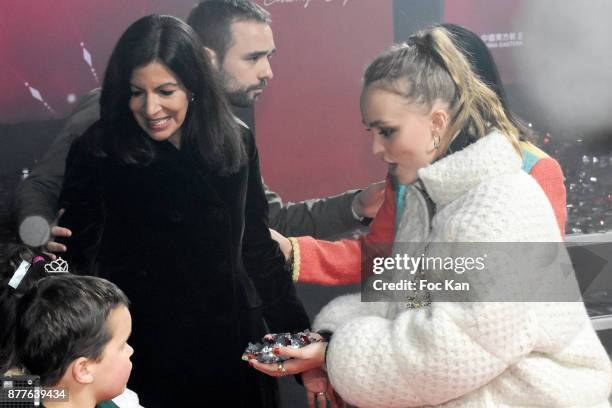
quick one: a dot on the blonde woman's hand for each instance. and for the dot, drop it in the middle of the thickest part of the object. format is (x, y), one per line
(300, 360)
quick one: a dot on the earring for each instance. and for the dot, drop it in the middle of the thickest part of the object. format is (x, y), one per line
(436, 139)
(191, 98)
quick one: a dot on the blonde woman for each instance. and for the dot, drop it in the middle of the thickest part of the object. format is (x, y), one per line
(447, 139)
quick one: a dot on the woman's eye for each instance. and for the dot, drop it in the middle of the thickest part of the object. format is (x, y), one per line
(135, 93)
(166, 92)
(386, 132)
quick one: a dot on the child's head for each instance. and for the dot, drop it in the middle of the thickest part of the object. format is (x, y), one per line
(417, 96)
(76, 326)
(72, 331)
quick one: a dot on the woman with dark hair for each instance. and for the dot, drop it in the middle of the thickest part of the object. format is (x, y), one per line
(209, 132)
(164, 198)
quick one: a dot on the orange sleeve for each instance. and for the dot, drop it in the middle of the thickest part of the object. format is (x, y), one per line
(549, 175)
(339, 262)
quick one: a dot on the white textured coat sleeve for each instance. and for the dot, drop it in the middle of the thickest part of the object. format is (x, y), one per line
(427, 356)
(345, 308)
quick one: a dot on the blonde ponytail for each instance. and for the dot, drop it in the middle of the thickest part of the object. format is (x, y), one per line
(429, 67)
(477, 106)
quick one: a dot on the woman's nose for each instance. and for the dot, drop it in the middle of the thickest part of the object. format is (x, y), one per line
(378, 147)
(151, 105)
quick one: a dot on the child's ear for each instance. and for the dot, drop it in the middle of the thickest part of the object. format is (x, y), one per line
(81, 370)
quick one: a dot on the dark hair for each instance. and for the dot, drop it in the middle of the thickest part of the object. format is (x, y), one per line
(11, 257)
(212, 20)
(484, 66)
(54, 319)
(62, 318)
(209, 133)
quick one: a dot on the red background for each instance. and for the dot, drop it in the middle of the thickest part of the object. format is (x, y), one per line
(309, 127)
(308, 123)
(489, 17)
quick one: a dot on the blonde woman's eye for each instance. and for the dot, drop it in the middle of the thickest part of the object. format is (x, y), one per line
(135, 94)
(386, 132)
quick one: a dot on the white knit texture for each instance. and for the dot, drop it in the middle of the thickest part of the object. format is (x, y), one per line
(470, 354)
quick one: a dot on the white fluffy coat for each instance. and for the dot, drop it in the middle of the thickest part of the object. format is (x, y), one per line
(471, 354)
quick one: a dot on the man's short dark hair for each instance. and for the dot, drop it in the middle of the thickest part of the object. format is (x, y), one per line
(212, 20)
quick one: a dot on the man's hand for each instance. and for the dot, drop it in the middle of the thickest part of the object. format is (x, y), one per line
(284, 243)
(57, 231)
(367, 202)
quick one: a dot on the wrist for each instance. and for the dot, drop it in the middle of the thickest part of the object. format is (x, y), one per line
(357, 215)
(327, 336)
(289, 259)
(357, 206)
(293, 262)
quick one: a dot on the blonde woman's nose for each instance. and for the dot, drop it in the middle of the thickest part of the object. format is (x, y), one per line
(378, 147)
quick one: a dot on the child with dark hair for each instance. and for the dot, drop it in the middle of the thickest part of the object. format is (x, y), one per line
(69, 330)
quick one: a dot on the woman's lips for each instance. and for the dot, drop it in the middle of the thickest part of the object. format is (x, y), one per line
(158, 124)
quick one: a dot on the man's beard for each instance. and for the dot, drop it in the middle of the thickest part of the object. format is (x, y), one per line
(240, 97)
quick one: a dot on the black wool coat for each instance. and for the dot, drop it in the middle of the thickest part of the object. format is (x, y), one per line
(193, 253)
